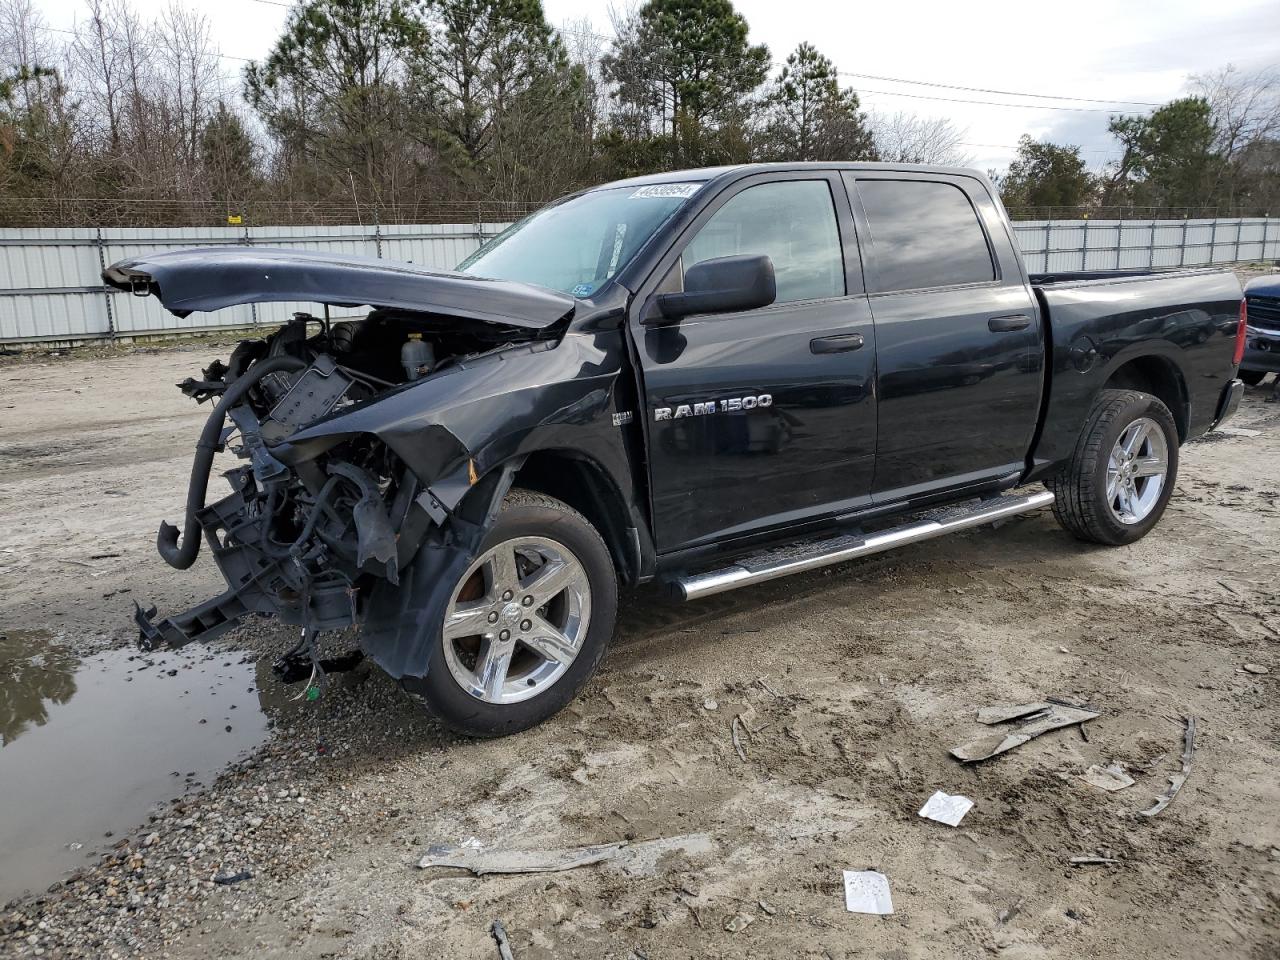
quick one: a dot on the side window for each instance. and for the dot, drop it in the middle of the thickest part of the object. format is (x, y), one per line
(925, 234)
(794, 223)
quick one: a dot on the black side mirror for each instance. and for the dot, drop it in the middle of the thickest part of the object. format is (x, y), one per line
(722, 285)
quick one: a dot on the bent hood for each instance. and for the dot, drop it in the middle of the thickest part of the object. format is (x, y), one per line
(211, 278)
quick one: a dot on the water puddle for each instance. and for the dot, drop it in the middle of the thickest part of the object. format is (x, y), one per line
(88, 746)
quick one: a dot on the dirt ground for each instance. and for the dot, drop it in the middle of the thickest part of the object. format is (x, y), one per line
(853, 683)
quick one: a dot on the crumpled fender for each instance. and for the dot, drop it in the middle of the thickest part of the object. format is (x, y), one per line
(464, 432)
(457, 425)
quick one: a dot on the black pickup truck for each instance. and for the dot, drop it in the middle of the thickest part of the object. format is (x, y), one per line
(709, 377)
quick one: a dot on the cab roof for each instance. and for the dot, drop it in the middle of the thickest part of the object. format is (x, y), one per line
(732, 171)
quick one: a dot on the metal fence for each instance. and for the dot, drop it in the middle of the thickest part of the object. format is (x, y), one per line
(51, 287)
(1050, 246)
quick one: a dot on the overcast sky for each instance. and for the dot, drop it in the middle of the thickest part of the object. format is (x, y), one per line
(1124, 50)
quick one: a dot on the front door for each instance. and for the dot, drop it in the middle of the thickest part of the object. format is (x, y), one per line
(762, 418)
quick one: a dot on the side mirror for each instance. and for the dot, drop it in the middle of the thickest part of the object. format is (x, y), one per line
(722, 285)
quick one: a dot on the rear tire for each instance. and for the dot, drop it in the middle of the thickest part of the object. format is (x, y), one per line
(1252, 377)
(527, 624)
(1121, 474)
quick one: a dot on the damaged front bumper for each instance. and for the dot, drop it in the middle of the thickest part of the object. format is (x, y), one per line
(328, 528)
(261, 579)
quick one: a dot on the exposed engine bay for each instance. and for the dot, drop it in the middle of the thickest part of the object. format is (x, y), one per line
(310, 533)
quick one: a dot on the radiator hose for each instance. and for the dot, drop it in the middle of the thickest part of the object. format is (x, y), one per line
(181, 557)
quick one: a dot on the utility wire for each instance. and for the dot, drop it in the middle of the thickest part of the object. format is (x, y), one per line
(887, 93)
(1003, 93)
(843, 73)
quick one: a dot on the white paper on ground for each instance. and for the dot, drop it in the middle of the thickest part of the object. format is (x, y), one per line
(946, 808)
(866, 891)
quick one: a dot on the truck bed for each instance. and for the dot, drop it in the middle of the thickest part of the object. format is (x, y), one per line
(1177, 326)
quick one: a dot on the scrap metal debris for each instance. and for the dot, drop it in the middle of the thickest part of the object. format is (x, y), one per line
(1110, 778)
(1051, 715)
(1176, 780)
(866, 891)
(1090, 861)
(946, 808)
(504, 945)
(640, 856)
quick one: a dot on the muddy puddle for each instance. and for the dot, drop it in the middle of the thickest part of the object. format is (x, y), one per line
(90, 745)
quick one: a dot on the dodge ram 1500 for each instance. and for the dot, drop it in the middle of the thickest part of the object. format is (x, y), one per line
(709, 377)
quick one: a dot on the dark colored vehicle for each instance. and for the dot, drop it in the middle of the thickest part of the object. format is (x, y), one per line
(1262, 333)
(711, 378)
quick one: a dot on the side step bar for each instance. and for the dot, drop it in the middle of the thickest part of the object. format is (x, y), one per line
(810, 556)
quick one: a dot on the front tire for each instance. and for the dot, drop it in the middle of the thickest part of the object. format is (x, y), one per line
(526, 625)
(1122, 471)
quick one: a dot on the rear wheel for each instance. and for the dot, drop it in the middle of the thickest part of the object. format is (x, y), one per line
(526, 624)
(1252, 377)
(1121, 474)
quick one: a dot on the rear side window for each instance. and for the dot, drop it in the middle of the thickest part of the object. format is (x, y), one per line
(794, 223)
(925, 234)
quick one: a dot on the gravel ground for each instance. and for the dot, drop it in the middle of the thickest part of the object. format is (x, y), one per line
(852, 682)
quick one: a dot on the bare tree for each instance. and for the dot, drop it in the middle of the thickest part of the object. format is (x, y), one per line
(1245, 111)
(39, 141)
(909, 138)
(190, 80)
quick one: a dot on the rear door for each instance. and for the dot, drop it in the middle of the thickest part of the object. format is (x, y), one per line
(762, 418)
(959, 344)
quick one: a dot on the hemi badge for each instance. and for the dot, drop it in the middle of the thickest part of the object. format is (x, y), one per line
(622, 418)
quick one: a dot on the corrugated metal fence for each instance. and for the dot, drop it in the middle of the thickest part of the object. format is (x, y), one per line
(1049, 246)
(51, 288)
(51, 284)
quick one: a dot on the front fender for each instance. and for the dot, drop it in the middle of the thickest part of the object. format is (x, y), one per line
(469, 418)
(464, 432)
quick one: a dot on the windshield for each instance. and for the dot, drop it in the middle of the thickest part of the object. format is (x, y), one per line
(579, 245)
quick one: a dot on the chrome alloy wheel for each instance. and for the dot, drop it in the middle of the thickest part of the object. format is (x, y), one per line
(1136, 471)
(517, 619)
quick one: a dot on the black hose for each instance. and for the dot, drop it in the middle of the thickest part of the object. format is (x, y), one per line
(167, 539)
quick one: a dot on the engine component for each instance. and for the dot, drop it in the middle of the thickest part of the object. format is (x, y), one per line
(417, 356)
(311, 396)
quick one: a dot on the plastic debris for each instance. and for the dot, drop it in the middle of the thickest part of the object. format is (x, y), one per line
(226, 879)
(1005, 712)
(866, 891)
(634, 857)
(504, 945)
(1053, 717)
(946, 808)
(1091, 861)
(1176, 780)
(1244, 432)
(737, 723)
(1110, 778)
(1255, 668)
(739, 921)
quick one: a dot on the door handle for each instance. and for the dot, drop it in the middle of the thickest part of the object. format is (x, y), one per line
(837, 344)
(1019, 321)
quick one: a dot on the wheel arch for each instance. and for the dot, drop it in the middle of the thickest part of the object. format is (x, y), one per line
(584, 484)
(1160, 377)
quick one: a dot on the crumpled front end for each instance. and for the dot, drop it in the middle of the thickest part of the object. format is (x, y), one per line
(331, 507)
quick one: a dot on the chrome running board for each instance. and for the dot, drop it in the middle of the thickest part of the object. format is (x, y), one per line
(810, 556)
